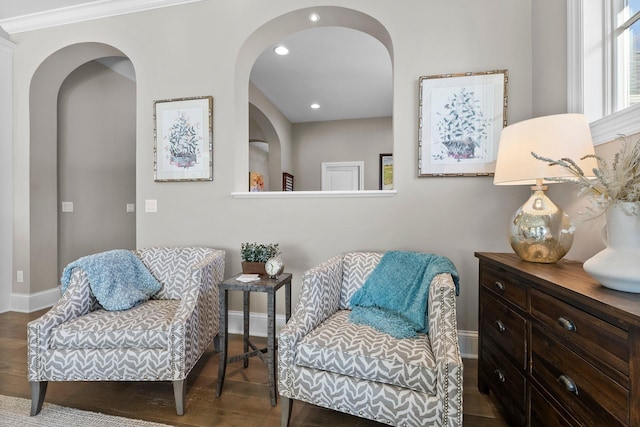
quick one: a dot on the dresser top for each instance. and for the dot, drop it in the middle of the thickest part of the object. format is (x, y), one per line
(568, 278)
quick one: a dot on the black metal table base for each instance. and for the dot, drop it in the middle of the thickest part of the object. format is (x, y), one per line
(266, 354)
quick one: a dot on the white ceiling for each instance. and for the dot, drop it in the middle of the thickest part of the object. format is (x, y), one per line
(347, 72)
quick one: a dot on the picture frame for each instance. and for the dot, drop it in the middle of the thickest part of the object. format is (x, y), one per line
(256, 182)
(386, 171)
(183, 139)
(460, 120)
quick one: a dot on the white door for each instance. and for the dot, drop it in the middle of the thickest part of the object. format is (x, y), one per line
(342, 176)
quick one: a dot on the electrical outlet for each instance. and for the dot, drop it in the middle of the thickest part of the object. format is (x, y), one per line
(67, 206)
(131, 207)
(20, 276)
(151, 205)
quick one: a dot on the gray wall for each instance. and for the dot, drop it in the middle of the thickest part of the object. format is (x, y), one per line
(6, 174)
(451, 216)
(96, 162)
(339, 141)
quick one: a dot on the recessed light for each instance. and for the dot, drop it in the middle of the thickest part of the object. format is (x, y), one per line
(314, 17)
(281, 50)
(315, 106)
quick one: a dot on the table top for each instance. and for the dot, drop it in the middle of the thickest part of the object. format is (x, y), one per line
(567, 277)
(264, 284)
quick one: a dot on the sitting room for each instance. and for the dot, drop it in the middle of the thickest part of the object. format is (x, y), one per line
(178, 131)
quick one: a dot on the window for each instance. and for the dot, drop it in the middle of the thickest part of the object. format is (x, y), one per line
(627, 53)
(604, 65)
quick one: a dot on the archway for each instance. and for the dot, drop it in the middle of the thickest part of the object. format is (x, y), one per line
(270, 33)
(270, 136)
(43, 168)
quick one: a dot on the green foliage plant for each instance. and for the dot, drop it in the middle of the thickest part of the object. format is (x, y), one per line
(258, 252)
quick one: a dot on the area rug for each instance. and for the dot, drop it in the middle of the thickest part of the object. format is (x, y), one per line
(14, 411)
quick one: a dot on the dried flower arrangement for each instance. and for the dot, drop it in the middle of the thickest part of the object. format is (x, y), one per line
(615, 182)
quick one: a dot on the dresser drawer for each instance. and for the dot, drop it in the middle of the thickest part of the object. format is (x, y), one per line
(505, 327)
(586, 334)
(504, 380)
(587, 393)
(504, 284)
(545, 415)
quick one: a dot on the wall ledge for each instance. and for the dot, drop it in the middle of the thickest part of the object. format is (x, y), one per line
(624, 122)
(311, 194)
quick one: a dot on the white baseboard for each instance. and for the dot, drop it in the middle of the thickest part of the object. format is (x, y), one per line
(27, 303)
(258, 327)
(468, 344)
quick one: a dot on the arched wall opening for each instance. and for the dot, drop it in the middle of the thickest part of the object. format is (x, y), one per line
(270, 137)
(44, 203)
(270, 33)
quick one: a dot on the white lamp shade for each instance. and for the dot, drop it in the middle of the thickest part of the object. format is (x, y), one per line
(554, 137)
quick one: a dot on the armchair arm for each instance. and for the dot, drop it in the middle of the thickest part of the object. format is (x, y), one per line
(77, 301)
(319, 299)
(443, 332)
(197, 321)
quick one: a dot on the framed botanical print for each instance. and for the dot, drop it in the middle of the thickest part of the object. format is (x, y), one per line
(183, 139)
(461, 117)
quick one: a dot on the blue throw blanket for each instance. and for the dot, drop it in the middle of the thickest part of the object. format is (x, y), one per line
(118, 279)
(395, 296)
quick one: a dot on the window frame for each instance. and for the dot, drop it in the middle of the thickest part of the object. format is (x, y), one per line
(610, 125)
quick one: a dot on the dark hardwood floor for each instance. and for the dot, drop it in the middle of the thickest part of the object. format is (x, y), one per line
(244, 400)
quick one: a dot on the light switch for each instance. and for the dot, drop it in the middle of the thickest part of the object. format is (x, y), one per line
(151, 205)
(131, 207)
(67, 206)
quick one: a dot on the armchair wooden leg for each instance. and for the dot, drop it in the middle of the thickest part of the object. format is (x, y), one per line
(38, 390)
(179, 388)
(286, 406)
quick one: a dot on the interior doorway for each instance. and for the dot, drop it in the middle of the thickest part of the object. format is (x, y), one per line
(36, 252)
(342, 176)
(96, 161)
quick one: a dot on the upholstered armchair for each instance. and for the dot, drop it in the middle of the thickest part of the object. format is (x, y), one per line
(329, 361)
(158, 340)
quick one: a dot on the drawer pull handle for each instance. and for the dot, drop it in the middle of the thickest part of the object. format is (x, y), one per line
(500, 326)
(567, 324)
(568, 383)
(500, 286)
(500, 375)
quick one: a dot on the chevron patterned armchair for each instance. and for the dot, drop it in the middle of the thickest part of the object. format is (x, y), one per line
(158, 340)
(326, 360)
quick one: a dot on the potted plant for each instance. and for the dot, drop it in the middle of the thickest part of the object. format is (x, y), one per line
(614, 192)
(255, 255)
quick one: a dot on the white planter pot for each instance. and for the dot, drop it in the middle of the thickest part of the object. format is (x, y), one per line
(618, 265)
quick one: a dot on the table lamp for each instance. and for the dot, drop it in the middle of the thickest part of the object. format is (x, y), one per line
(539, 230)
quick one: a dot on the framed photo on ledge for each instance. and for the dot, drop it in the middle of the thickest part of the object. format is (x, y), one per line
(460, 120)
(386, 171)
(183, 139)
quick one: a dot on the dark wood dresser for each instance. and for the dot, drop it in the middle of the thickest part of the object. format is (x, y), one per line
(555, 347)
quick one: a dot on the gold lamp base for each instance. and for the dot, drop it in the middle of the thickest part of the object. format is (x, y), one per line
(540, 231)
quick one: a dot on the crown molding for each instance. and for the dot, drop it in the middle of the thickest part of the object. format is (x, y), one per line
(7, 45)
(83, 12)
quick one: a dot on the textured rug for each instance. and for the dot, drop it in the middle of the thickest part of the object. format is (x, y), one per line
(14, 411)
